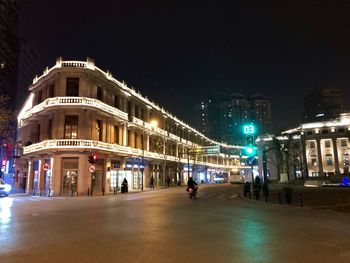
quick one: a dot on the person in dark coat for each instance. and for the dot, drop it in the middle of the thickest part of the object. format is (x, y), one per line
(257, 187)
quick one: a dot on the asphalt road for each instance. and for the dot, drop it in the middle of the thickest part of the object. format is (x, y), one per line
(167, 226)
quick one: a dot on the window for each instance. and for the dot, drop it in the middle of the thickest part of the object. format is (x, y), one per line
(39, 97)
(136, 111)
(346, 160)
(309, 133)
(143, 114)
(37, 134)
(329, 160)
(343, 143)
(129, 107)
(313, 162)
(99, 129)
(116, 101)
(327, 144)
(324, 131)
(341, 130)
(71, 126)
(116, 134)
(312, 145)
(72, 87)
(49, 128)
(52, 90)
(99, 93)
(129, 136)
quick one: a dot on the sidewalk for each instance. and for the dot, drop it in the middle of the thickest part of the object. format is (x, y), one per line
(131, 191)
(329, 198)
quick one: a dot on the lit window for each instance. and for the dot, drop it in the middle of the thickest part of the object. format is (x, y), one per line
(327, 144)
(71, 126)
(344, 143)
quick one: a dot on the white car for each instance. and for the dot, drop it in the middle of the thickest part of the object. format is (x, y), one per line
(4, 188)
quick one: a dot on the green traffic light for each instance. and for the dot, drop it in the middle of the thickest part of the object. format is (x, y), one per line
(250, 150)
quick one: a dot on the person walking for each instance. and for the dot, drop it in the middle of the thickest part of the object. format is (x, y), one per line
(167, 181)
(151, 182)
(257, 187)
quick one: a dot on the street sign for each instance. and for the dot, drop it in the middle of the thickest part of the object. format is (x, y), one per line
(206, 150)
(251, 160)
(46, 166)
(92, 169)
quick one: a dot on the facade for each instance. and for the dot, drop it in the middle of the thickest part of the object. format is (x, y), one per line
(317, 150)
(323, 104)
(8, 48)
(75, 110)
(223, 119)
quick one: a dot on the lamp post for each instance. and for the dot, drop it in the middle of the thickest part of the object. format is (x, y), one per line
(143, 154)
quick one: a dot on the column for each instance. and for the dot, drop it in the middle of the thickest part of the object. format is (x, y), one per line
(319, 158)
(30, 177)
(125, 134)
(335, 154)
(304, 160)
(84, 176)
(56, 176)
(147, 142)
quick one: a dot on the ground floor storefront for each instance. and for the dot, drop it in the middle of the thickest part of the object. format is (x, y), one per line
(72, 174)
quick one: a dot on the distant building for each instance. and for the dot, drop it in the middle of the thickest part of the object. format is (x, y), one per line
(8, 47)
(206, 118)
(224, 118)
(323, 104)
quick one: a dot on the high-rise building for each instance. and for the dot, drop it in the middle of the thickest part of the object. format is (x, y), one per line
(206, 117)
(224, 118)
(323, 104)
(8, 48)
(28, 67)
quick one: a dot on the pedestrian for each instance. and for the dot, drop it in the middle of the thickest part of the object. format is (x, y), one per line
(167, 181)
(257, 187)
(151, 182)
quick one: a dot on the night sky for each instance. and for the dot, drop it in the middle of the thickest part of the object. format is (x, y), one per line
(178, 52)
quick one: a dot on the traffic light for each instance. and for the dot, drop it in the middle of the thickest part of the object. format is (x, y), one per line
(92, 158)
(250, 145)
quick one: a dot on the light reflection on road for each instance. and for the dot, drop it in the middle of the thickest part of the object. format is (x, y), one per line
(255, 239)
(5, 216)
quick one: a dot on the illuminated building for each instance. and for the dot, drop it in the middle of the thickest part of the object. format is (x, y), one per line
(318, 150)
(75, 110)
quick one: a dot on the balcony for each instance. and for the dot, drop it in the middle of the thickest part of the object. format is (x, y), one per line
(76, 102)
(72, 145)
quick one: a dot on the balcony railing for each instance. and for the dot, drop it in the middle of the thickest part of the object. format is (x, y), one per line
(75, 101)
(76, 145)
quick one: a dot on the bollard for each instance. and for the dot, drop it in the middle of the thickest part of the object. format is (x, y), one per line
(49, 192)
(279, 198)
(301, 200)
(103, 191)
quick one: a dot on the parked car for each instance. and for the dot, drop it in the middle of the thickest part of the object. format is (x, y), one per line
(4, 188)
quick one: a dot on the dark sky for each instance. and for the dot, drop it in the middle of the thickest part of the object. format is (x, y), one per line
(178, 52)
